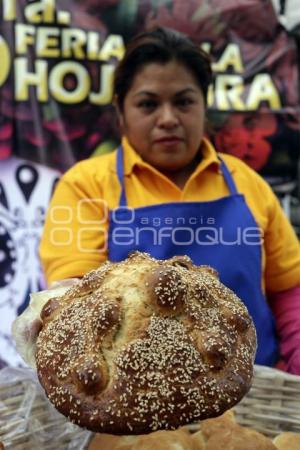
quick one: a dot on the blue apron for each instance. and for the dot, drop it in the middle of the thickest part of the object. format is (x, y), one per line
(220, 233)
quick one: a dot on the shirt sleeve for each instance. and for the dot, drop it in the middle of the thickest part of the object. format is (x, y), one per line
(286, 308)
(282, 250)
(74, 239)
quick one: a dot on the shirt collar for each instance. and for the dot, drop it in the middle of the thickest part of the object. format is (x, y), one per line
(132, 158)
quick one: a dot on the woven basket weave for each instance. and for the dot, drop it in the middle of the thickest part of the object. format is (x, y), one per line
(29, 422)
(273, 403)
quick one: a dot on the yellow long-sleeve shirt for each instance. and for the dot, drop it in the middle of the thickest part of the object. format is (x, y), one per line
(74, 240)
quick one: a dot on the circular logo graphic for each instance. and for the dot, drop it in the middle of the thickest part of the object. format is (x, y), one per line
(5, 60)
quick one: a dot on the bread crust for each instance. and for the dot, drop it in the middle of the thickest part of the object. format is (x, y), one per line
(226, 434)
(144, 345)
(287, 441)
(159, 440)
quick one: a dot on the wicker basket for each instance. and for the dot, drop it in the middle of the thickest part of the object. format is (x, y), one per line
(272, 404)
(29, 422)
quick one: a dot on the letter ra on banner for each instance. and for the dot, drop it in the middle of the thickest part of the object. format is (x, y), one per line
(263, 89)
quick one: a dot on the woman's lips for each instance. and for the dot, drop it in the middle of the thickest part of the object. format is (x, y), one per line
(168, 141)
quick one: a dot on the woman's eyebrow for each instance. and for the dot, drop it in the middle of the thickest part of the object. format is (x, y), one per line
(153, 94)
(186, 91)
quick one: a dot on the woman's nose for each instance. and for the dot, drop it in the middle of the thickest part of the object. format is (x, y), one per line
(167, 117)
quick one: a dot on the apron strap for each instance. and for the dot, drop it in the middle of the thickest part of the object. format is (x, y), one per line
(228, 178)
(120, 171)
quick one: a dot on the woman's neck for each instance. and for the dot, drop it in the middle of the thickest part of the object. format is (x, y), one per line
(180, 177)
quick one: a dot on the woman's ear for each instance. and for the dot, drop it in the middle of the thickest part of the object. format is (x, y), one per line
(120, 117)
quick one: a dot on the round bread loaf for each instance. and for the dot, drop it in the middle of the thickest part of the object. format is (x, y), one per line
(287, 441)
(144, 345)
(159, 440)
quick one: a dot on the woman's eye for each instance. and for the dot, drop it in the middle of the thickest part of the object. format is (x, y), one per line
(184, 102)
(147, 104)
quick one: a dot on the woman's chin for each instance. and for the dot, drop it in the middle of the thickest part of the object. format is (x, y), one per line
(170, 168)
(168, 163)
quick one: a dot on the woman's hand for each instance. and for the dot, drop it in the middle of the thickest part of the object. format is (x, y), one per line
(26, 327)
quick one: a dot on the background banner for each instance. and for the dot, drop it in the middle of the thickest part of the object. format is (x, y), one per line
(57, 59)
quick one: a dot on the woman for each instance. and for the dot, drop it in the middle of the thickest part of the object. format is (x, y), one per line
(166, 191)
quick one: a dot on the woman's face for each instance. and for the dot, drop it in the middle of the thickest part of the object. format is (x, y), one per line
(163, 115)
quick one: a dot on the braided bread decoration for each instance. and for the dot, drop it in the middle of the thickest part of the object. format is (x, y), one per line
(145, 344)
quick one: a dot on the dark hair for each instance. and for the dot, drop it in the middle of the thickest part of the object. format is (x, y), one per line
(161, 45)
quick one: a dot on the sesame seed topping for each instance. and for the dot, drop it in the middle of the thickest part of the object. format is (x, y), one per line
(144, 345)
